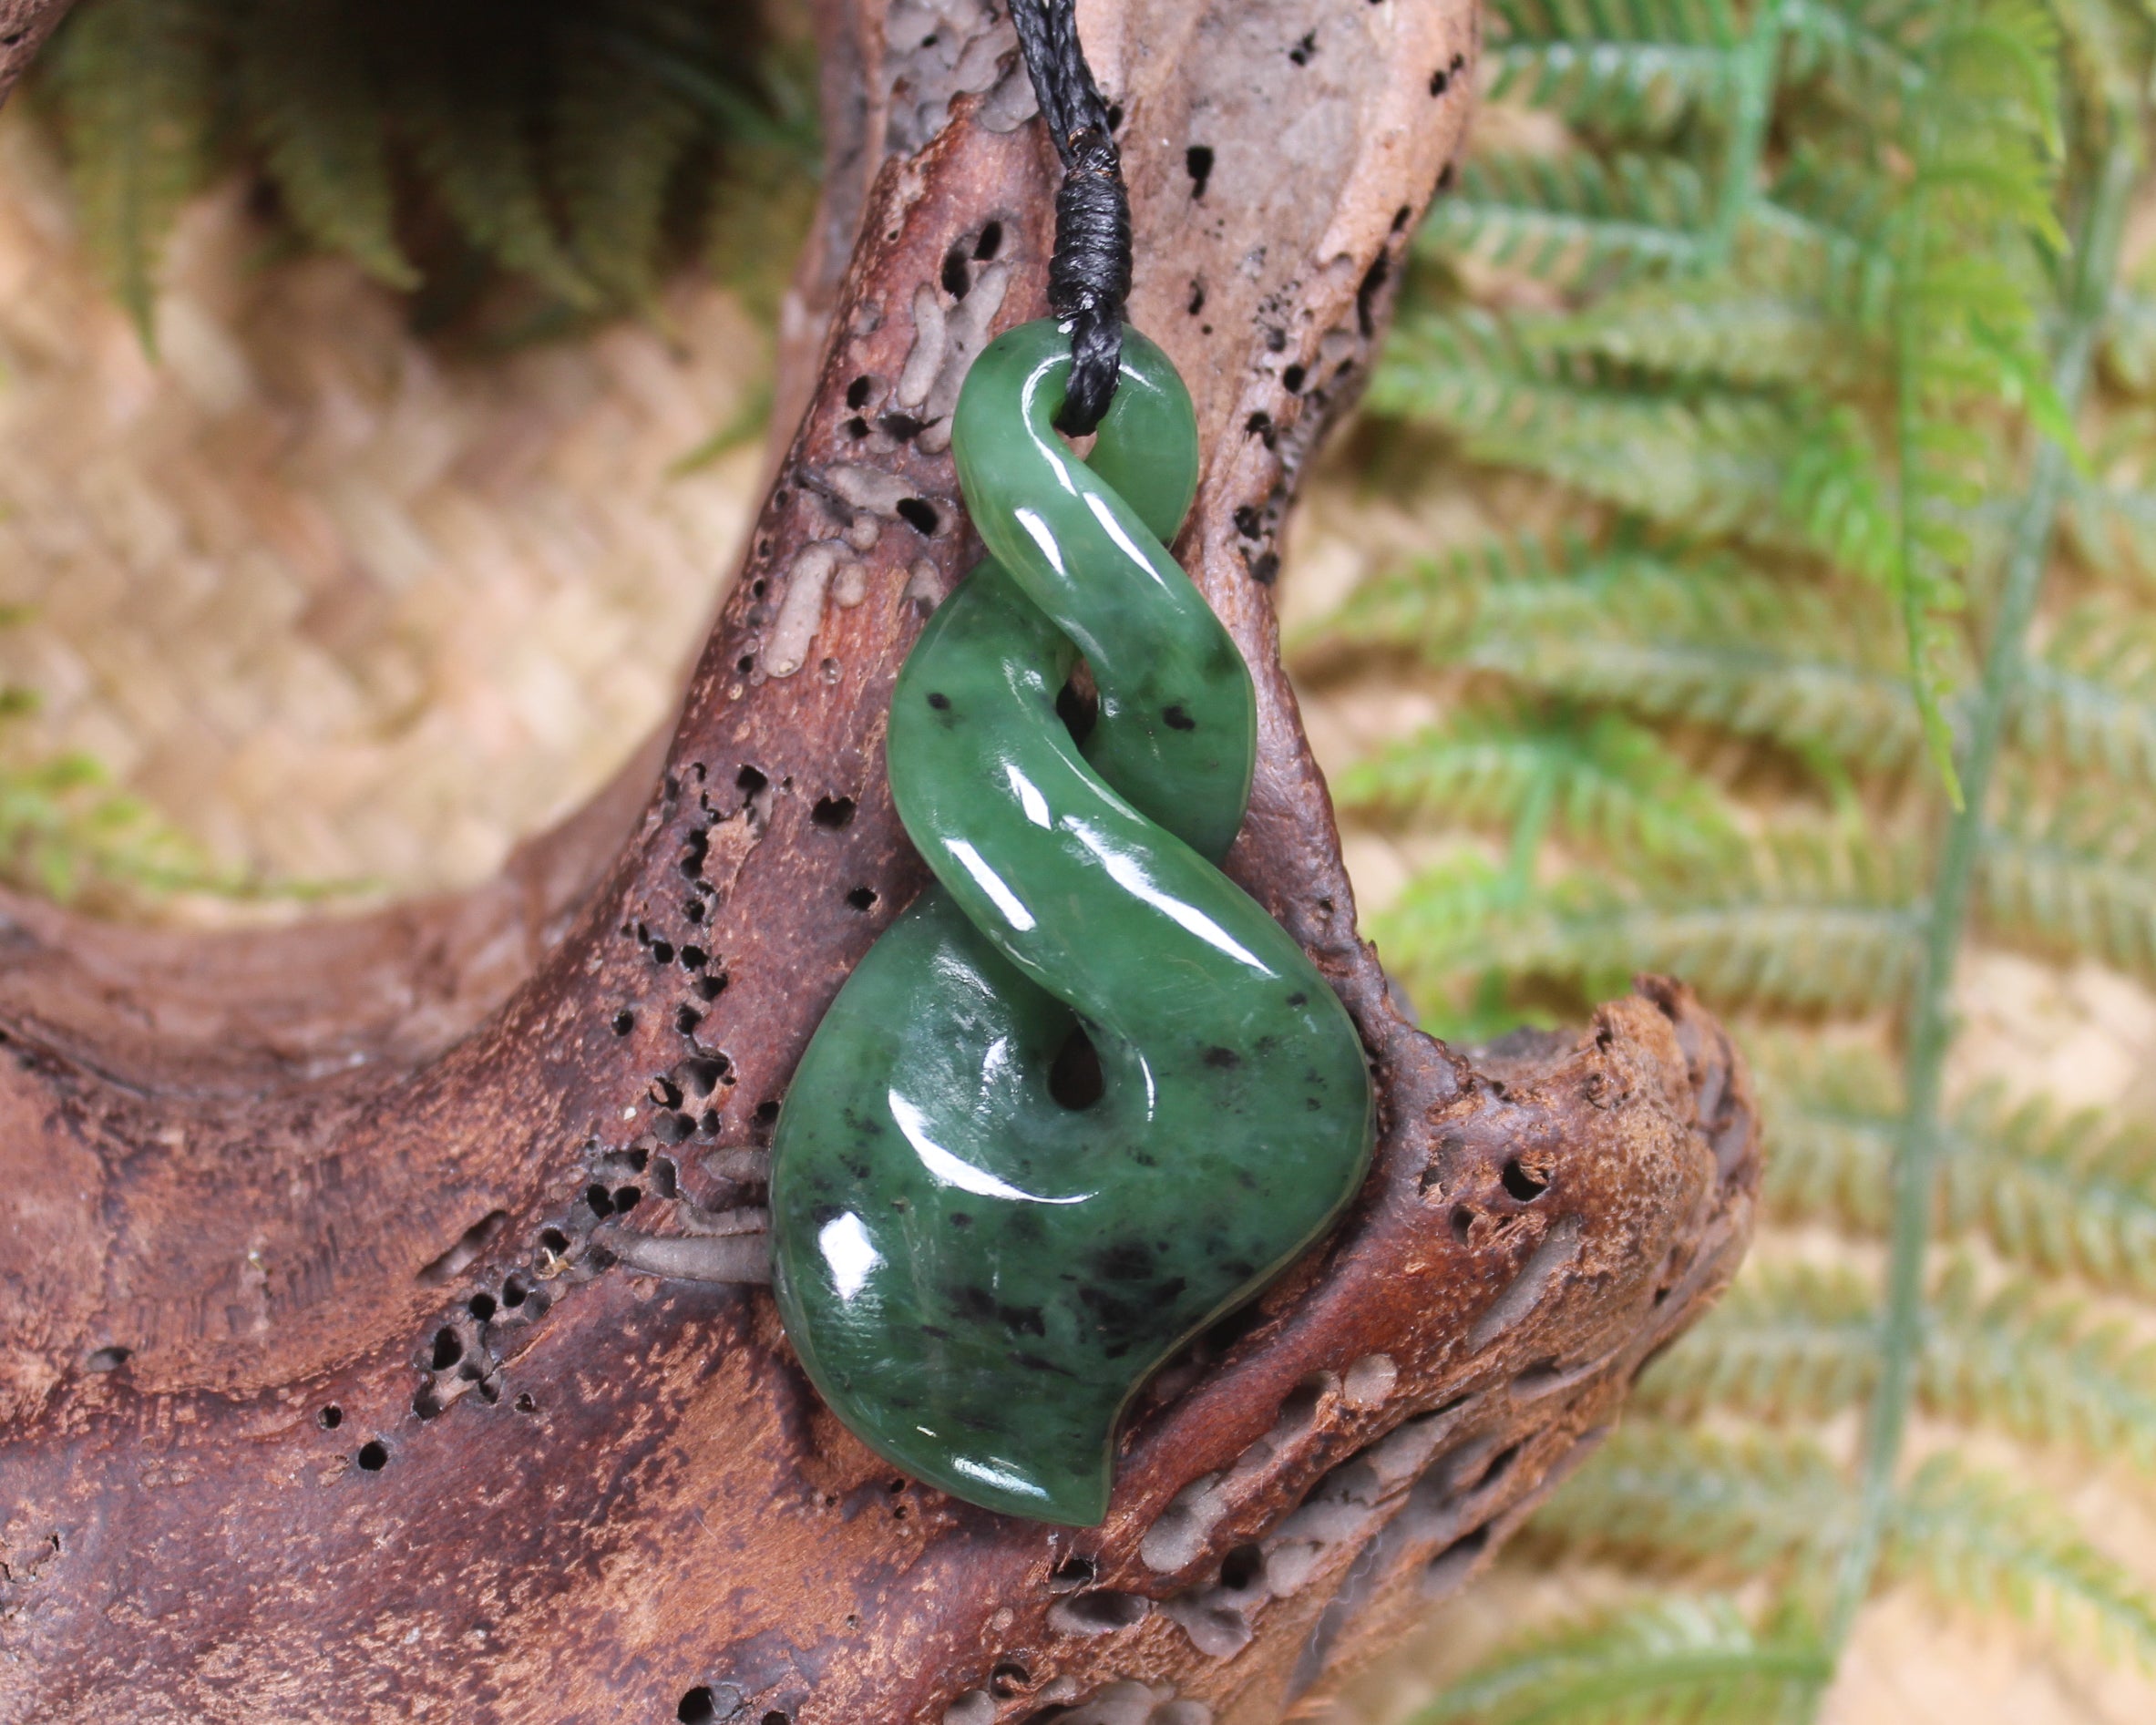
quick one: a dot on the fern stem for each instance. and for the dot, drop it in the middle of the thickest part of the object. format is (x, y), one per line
(1754, 81)
(1930, 1028)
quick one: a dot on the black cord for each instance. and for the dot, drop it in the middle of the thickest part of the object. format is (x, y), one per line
(1089, 277)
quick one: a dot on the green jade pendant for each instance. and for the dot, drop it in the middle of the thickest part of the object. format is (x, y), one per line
(976, 1276)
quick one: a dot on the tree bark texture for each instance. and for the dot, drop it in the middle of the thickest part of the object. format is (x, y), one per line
(378, 1337)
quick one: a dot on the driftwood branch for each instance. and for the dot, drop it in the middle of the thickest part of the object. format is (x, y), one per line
(378, 1334)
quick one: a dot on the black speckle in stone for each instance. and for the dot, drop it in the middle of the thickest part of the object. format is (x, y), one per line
(1125, 1261)
(974, 1302)
(1178, 717)
(1312, 1104)
(1299, 999)
(824, 1215)
(1034, 1362)
(936, 1332)
(1222, 1059)
(941, 702)
(1024, 1320)
(962, 1218)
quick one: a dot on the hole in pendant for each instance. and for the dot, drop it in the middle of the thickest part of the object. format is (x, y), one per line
(1078, 704)
(1075, 1079)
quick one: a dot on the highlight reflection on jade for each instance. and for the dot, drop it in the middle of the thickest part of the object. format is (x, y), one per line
(980, 1248)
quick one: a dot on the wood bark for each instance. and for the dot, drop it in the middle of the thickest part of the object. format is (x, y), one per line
(373, 1337)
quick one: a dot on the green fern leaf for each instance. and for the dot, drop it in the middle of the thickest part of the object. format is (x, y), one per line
(1720, 329)
(1563, 217)
(1855, 46)
(2087, 699)
(1705, 460)
(2055, 1191)
(1787, 1342)
(136, 87)
(1802, 919)
(1671, 1661)
(316, 111)
(1801, 1342)
(621, 129)
(1640, 67)
(467, 102)
(2079, 880)
(1980, 1542)
(1689, 1501)
(1603, 779)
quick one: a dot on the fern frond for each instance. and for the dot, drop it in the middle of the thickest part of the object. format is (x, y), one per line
(1431, 607)
(316, 111)
(1691, 638)
(65, 830)
(1669, 1662)
(2035, 1365)
(1635, 67)
(1800, 919)
(135, 86)
(2052, 1191)
(2109, 515)
(2089, 696)
(1706, 460)
(1601, 778)
(2078, 880)
(2129, 340)
(610, 83)
(1719, 328)
(1980, 1542)
(1563, 217)
(1833, 1113)
(1695, 640)
(2055, 1190)
(1796, 1341)
(1683, 1499)
(1786, 1341)
(466, 103)
(1858, 46)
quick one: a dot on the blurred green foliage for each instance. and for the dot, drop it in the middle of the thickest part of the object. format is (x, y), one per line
(1802, 328)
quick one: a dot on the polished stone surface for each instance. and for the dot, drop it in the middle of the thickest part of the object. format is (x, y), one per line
(977, 1273)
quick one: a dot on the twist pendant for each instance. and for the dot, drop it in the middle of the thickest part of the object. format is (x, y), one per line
(980, 1250)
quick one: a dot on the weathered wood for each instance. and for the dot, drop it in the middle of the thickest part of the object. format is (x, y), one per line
(24, 27)
(338, 1382)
